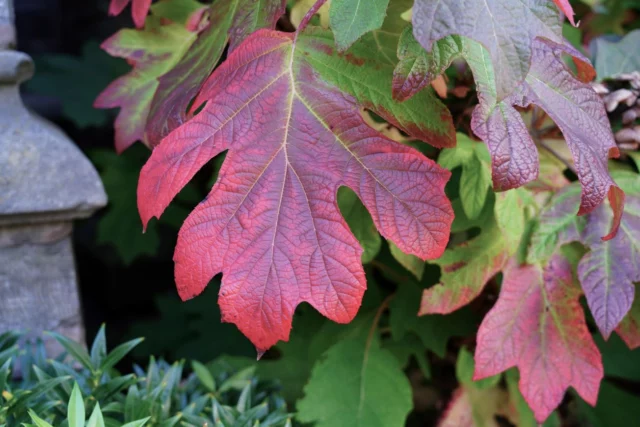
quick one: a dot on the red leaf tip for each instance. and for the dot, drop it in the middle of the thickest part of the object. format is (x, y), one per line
(616, 200)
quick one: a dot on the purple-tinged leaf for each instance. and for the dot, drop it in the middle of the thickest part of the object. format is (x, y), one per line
(607, 273)
(506, 28)
(578, 112)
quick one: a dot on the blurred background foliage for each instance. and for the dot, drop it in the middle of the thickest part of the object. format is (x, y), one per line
(126, 277)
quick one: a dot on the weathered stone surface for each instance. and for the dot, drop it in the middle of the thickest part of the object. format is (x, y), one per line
(45, 183)
(38, 287)
(43, 175)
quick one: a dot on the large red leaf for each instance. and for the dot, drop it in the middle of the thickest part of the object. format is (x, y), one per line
(271, 223)
(538, 325)
(139, 9)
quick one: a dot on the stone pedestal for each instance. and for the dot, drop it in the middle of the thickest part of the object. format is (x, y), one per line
(45, 183)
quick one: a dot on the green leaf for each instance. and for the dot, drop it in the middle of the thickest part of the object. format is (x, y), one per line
(411, 262)
(615, 407)
(75, 411)
(5, 371)
(351, 19)
(239, 380)
(96, 419)
(635, 156)
(434, 330)
(462, 223)
(511, 215)
(99, 347)
(474, 184)
(385, 40)
(357, 383)
(204, 375)
(39, 422)
(138, 423)
(360, 223)
(135, 406)
(465, 367)
(307, 341)
(118, 353)
(244, 400)
(74, 349)
(36, 392)
(619, 57)
(557, 223)
(64, 77)
(359, 73)
(618, 360)
(175, 10)
(475, 180)
(409, 346)
(111, 387)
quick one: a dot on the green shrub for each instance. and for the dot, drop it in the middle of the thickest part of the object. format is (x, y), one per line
(61, 391)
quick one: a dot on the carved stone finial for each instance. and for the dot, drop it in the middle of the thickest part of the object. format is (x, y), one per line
(7, 29)
(45, 183)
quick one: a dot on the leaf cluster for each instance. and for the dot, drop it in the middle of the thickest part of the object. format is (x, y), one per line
(63, 391)
(324, 132)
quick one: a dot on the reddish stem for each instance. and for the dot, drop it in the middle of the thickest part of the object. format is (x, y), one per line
(314, 9)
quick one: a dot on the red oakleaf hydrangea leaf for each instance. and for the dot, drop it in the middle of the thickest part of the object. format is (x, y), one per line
(152, 52)
(230, 22)
(578, 112)
(566, 8)
(139, 9)
(607, 273)
(271, 223)
(505, 28)
(538, 325)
